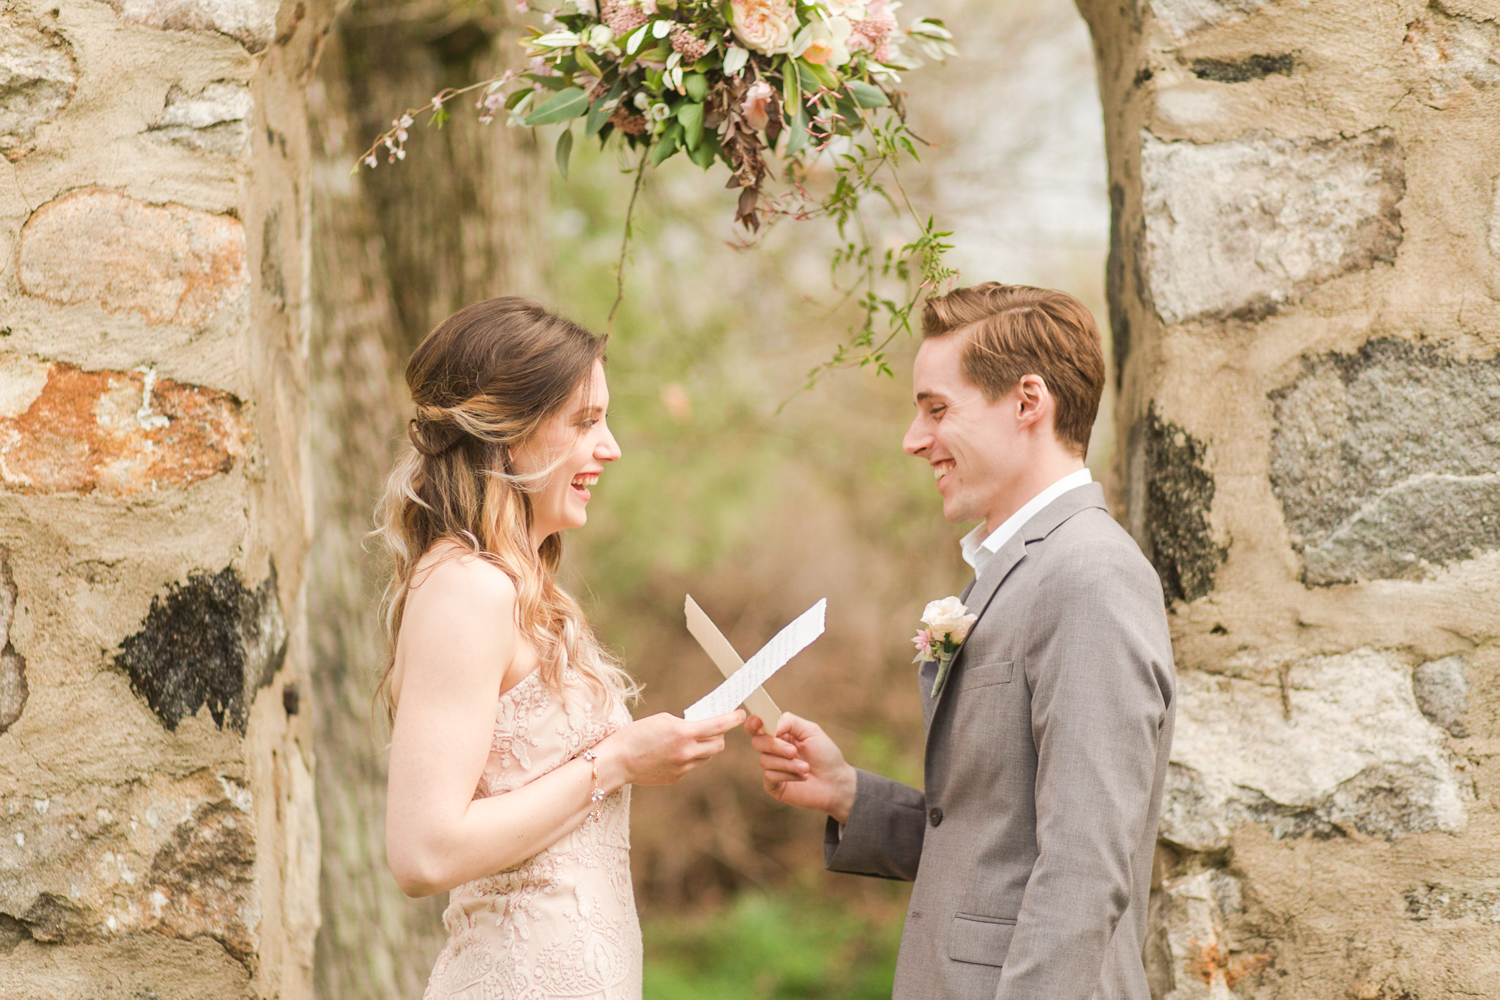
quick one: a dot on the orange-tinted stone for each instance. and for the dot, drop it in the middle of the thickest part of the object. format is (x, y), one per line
(106, 431)
(168, 263)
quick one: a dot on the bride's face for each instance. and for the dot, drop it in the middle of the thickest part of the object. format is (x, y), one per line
(578, 441)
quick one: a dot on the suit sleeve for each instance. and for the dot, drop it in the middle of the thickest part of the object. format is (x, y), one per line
(1099, 668)
(883, 837)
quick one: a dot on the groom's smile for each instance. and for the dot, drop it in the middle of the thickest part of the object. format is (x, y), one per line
(962, 436)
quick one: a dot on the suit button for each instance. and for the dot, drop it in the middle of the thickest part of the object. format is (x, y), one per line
(935, 815)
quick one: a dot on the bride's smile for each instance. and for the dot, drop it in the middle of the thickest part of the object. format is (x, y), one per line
(568, 453)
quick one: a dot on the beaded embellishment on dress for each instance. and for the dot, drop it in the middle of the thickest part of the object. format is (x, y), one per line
(561, 924)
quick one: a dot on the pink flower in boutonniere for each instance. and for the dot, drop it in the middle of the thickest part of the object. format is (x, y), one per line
(948, 623)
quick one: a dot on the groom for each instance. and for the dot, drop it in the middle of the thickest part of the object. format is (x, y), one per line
(1047, 740)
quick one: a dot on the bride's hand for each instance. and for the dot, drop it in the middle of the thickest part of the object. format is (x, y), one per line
(662, 749)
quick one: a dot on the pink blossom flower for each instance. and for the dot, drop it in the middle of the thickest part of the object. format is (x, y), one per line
(622, 16)
(688, 45)
(873, 35)
(757, 106)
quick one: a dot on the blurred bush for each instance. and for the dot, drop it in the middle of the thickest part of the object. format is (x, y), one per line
(757, 498)
(788, 946)
(756, 513)
(755, 508)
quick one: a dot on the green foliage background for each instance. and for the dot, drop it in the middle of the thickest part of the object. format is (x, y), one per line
(758, 499)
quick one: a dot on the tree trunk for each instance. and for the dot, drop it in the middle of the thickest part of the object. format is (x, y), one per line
(1303, 286)
(395, 251)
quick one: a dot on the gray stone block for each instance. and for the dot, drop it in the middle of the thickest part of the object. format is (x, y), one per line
(1319, 748)
(37, 78)
(214, 120)
(1442, 693)
(1184, 17)
(1242, 227)
(1387, 462)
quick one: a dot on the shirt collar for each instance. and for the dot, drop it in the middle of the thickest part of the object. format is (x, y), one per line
(978, 553)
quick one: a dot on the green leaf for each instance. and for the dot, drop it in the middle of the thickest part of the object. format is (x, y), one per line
(735, 59)
(696, 85)
(586, 62)
(691, 117)
(705, 153)
(597, 117)
(668, 144)
(550, 82)
(867, 96)
(564, 150)
(562, 106)
(822, 74)
(516, 97)
(791, 93)
(806, 78)
(797, 130)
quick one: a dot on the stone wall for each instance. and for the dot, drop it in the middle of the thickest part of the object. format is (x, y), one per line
(1304, 281)
(158, 835)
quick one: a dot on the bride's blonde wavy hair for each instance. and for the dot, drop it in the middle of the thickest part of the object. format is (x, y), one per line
(482, 383)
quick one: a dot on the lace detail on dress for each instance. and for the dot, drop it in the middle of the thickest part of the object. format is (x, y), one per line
(561, 923)
(513, 716)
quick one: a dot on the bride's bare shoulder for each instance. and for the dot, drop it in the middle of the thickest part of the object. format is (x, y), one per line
(453, 574)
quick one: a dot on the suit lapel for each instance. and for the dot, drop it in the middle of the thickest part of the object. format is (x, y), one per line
(980, 593)
(976, 597)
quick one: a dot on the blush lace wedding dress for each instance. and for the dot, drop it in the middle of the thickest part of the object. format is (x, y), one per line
(561, 923)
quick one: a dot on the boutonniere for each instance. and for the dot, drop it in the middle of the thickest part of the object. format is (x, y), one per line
(948, 623)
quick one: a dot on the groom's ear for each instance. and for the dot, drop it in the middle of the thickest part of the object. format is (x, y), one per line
(1034, 401)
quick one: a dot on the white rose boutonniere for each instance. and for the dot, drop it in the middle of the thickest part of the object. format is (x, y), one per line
(948, 623)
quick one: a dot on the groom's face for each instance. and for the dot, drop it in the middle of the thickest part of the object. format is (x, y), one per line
(970, 442)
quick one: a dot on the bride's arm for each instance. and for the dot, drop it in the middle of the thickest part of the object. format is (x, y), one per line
(458, 637)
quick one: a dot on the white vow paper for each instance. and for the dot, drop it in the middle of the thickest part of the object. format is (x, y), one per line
(740, 685)
(702, 628)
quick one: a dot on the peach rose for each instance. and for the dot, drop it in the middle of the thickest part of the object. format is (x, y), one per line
(767, 26)
(757, 106)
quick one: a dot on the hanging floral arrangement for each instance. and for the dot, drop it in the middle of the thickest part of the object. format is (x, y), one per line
(756, 85)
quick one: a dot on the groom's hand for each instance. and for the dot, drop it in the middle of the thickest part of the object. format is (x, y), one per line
(803, 767)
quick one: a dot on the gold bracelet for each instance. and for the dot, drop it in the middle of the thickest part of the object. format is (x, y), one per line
(596, 795)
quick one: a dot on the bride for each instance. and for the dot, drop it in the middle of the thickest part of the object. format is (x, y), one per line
(512, 753)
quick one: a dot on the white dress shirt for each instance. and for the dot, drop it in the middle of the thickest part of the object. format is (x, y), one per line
(979, 553)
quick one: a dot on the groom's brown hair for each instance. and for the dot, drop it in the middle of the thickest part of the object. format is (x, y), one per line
(1017, 330)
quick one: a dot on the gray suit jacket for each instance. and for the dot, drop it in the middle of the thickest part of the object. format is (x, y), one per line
(1046, 753)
